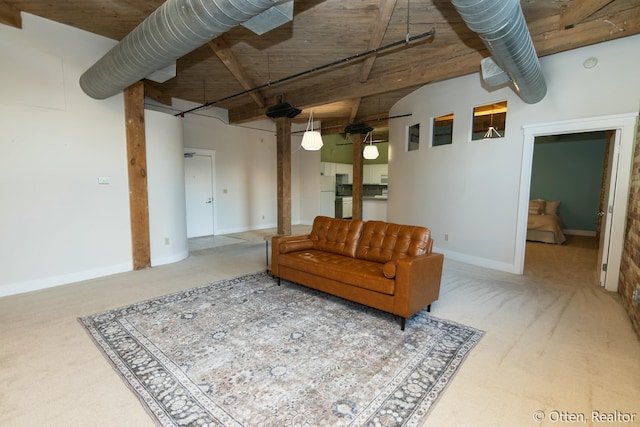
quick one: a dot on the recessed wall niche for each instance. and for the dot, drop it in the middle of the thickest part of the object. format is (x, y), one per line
(413, 137)
(442, 130)
(489, 121)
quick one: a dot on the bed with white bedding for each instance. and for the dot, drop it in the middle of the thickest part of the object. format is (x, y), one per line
(544, 224)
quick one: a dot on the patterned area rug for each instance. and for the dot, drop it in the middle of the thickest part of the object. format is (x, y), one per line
(246, 352)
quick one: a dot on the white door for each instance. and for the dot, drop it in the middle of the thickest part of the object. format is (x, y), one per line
(198, 179)
(607, 209)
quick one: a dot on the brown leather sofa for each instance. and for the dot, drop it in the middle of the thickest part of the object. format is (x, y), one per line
(386, 266)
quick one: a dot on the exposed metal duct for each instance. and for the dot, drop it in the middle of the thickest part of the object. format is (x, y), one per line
(170, 32)
(503, 29)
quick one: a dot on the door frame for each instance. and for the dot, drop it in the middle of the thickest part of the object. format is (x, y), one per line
(625, 127)
(212, 154)
(606, 203)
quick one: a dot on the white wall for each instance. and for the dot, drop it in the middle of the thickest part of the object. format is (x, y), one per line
(57, 224)
(470, 190)
(246, 168)
(165, 187)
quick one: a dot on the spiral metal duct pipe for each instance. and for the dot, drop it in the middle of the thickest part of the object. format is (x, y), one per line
(170, 32)
(502, 27)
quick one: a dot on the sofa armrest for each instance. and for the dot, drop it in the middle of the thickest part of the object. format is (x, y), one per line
(417, 282)
(287, 242)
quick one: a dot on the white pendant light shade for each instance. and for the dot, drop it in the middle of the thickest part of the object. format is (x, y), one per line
(312, 140)
(370, 152)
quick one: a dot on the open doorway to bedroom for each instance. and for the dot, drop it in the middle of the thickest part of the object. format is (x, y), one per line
(570, 176)
(615, 199)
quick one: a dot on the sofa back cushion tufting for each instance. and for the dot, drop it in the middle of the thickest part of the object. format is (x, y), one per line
(339, 236)
(384, 241)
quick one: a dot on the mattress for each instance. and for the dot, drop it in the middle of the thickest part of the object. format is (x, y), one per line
(545, 228)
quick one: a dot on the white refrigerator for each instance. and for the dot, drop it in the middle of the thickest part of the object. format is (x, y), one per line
(328, 195)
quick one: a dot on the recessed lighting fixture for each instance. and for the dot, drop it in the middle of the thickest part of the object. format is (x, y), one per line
(590, 62)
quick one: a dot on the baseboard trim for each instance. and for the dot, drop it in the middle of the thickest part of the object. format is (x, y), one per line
(586, 233)
(63, 279)
(478, 261)
(170, 259)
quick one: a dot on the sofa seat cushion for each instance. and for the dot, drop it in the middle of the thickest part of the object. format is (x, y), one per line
(359, 273)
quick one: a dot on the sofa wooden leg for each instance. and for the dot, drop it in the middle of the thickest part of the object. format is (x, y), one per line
(278, 281)
(429, 308)
(402, 323)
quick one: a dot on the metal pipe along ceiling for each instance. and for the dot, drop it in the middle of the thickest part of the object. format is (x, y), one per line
(502, 27)
(170, 32)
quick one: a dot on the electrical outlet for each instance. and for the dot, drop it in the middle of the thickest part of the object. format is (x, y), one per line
(167, 241)
(446, 237)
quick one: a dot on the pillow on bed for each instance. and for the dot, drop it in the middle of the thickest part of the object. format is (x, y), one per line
(551, 208)
(537, 207)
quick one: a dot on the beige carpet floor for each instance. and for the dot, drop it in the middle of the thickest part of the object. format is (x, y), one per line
(555, 342)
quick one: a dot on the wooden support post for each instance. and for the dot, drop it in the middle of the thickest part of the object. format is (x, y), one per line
(9, 15)
(283, 136)
(137, 163)
(357, 175)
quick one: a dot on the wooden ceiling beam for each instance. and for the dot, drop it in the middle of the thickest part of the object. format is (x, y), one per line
(156, 94)
(335, 126)
(377, 35)
(9, 15)
(355, 106)
(223, 51)
(579, 10)
(419, 73)
(411, 76)
(379, 30)
(587, 33)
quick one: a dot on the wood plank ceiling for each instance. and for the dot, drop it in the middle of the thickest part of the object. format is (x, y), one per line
(324, 31)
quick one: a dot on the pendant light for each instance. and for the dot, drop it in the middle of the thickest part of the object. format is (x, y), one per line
(311, 140)
(492, 132)
(283, 109)
(370, 151)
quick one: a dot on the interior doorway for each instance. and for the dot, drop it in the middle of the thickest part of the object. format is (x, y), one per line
(624, 128)
(571, 180)
(199, 180)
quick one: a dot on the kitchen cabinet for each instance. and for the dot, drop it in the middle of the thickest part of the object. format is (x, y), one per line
(372, 174)
(329, 168)
(345, 169)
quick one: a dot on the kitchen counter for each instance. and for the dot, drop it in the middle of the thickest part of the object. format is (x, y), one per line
(374, 208)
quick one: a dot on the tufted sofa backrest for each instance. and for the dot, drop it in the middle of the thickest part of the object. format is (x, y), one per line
(384, 241)
(335, 235)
